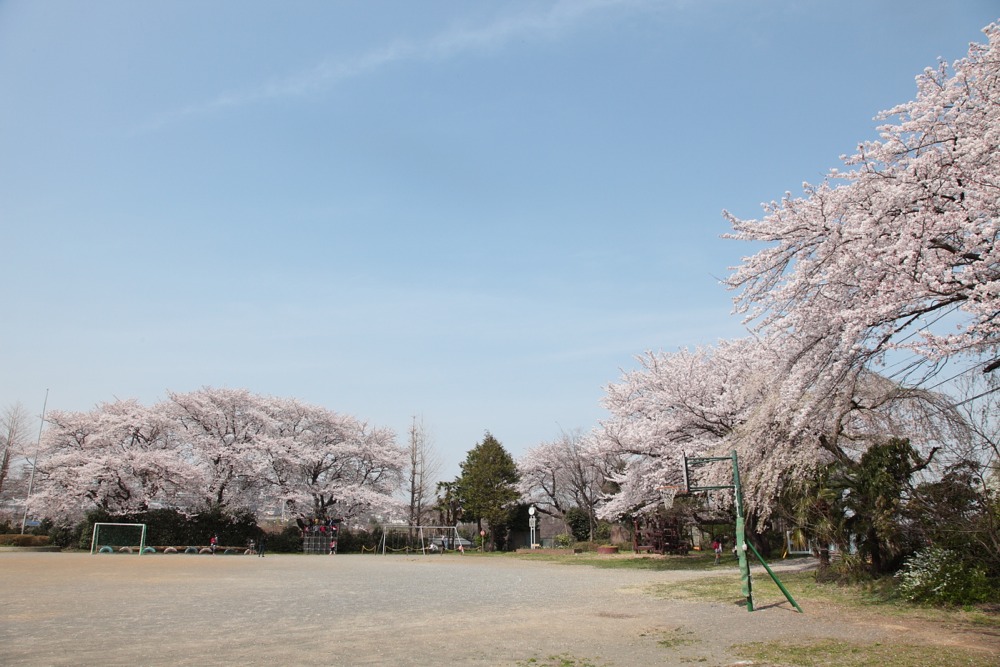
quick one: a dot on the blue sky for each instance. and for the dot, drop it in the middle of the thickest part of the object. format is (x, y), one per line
(476, 213)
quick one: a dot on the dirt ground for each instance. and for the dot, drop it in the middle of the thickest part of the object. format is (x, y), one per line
(78, 609)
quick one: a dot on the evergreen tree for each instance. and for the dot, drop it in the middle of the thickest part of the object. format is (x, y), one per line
(487, 486)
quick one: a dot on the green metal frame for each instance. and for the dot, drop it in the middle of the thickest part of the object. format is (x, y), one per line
(741, 543)
(96, 532)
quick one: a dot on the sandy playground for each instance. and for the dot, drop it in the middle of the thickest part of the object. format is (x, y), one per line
(78, 609)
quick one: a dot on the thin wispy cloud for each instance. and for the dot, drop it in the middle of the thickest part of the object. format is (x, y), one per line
(554, 21)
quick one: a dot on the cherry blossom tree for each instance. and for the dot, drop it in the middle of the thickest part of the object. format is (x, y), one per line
(219, 449)
(119, 457)
(689, 401)
(711, 401)
(253, 449)
(229, 434)
(563, 474)
(893, 260)
(897, 253)
(340, 466)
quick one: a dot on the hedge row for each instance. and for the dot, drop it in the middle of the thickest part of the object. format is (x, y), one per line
(24, 540)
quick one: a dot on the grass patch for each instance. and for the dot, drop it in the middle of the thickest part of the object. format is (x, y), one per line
(724, 586)
(828, 653)
(629, 560)
(986, 616)
(803, 585)
(703, 589)
(869, 600)
(671, 639)
(877, 596)
(804, 588)
(561, 660)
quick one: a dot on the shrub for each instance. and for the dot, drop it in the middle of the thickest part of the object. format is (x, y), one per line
(64, 536)
(563, 540)
(939, 576)
(357, 541)
(579, 523)
(848, 569)
(603, 532)
(24, 540)
(288, 541)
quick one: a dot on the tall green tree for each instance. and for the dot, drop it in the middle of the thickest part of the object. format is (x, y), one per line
(449, 505)
(487, 486)
(880, 486)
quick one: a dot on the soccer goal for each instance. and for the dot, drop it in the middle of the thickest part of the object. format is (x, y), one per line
(118, 538)
(424, 539)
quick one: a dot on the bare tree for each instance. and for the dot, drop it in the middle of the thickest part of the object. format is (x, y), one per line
(565, 475)
(424, 466)
(13, 439)
(979, 404)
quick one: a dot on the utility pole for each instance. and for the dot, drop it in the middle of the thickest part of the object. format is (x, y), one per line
(34, 463)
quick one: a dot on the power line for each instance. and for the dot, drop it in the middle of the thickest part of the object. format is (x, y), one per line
(980, 395)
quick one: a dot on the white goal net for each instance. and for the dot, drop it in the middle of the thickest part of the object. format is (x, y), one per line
(118, 538)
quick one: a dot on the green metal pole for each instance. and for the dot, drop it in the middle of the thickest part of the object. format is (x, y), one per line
(774, 577)
(741, 543)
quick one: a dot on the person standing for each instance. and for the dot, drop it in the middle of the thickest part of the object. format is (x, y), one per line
(717, 548)
(260, 547)
(213, 543)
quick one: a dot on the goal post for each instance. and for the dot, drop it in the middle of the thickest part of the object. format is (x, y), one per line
(118, 538)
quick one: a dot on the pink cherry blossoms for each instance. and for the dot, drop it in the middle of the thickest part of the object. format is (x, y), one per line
(894, 257)
(221, 447)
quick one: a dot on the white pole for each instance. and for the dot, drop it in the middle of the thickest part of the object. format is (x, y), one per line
(34, 463)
